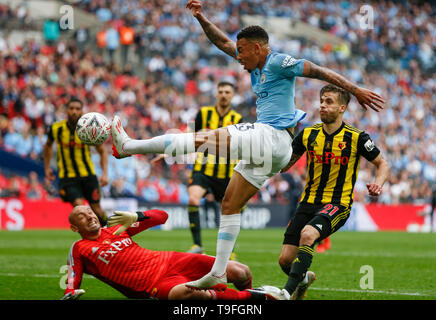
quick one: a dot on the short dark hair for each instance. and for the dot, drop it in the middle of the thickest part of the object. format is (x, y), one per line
(343, 95)
(226, 83)
(254, 33)
(74, 99)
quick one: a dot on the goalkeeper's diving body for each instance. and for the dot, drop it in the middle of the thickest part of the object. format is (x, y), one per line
(110, 255)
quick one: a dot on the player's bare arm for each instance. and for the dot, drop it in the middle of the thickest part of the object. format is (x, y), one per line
(366, 98)
(294, 159)
(375, 188)
(215, 35)
(47, 153)
(103, 163)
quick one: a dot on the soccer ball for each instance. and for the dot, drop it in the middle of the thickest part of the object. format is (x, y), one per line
(93, 128)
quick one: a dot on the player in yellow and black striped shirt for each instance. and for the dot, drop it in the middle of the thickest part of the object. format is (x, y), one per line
(77, 178)
(333, 152)
(210, 175)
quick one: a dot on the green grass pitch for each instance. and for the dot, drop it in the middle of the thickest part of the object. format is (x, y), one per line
(403, 264)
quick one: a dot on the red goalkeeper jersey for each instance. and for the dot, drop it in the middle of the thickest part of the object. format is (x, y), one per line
(118, 260)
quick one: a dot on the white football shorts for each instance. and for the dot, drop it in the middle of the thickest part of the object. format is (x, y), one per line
(262, 150)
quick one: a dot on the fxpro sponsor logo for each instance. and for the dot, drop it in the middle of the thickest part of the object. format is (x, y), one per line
(328, 158)
(115, 247)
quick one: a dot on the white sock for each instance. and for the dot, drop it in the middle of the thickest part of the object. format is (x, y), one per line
(171, 144)
(227, 234)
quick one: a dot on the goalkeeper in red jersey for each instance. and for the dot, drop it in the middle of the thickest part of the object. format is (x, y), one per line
(110, 254)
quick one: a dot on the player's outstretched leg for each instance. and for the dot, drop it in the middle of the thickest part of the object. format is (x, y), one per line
(171, 144)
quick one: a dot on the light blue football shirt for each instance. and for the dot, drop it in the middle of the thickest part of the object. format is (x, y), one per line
(274, 87)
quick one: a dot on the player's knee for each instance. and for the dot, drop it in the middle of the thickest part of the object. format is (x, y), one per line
(244, 272)
(194, 201)
(308, 236)
(238, 272)
(227, 207)
(77, 202)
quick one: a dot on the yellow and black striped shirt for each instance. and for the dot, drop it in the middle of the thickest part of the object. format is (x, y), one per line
(208, 118)
(332, 162)
(73, 156)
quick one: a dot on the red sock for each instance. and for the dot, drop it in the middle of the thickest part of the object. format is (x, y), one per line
(230, 294)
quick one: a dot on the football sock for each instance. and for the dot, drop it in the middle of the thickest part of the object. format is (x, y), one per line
(103, 221)
(170, 144)
(299, 267)
(287, 269)
(227, 234)
(194, 224)
(230, 294)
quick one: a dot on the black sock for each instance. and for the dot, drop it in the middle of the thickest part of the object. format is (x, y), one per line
(103, 221)
(299, 267)
(194, 223)
(286, 269)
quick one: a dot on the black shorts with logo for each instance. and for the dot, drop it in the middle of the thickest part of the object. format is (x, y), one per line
(71, 189)
(326, 218)
(213, 185)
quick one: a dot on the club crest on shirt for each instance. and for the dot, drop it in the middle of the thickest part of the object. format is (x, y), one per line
(342, 145)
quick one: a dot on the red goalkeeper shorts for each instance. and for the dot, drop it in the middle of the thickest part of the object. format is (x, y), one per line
(184, 267)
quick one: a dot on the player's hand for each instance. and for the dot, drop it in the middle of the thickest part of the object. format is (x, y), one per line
(125, 218)
(195, 7)
(368, 98)
(73, 295)
(104, 180)
(49, 176)
(158, 158)
(374, 189)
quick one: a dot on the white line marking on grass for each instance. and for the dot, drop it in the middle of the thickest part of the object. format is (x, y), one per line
(373, 291)
(427, 255)
(10, 274)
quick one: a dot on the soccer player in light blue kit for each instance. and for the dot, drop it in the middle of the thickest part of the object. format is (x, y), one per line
(264, 147)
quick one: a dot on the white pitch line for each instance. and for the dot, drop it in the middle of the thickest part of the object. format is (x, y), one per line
(373, 291)
(10, 274)
(311, 288)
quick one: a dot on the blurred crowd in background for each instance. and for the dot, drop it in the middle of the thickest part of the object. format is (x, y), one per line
(397, 59)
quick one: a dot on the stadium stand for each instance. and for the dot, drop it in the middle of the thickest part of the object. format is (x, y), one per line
(157, 81)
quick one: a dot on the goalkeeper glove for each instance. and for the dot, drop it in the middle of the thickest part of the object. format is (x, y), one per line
(126, 219)
(73, 294)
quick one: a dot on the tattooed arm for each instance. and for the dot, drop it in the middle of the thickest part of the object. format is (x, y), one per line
(365, 97)
(215, 35)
